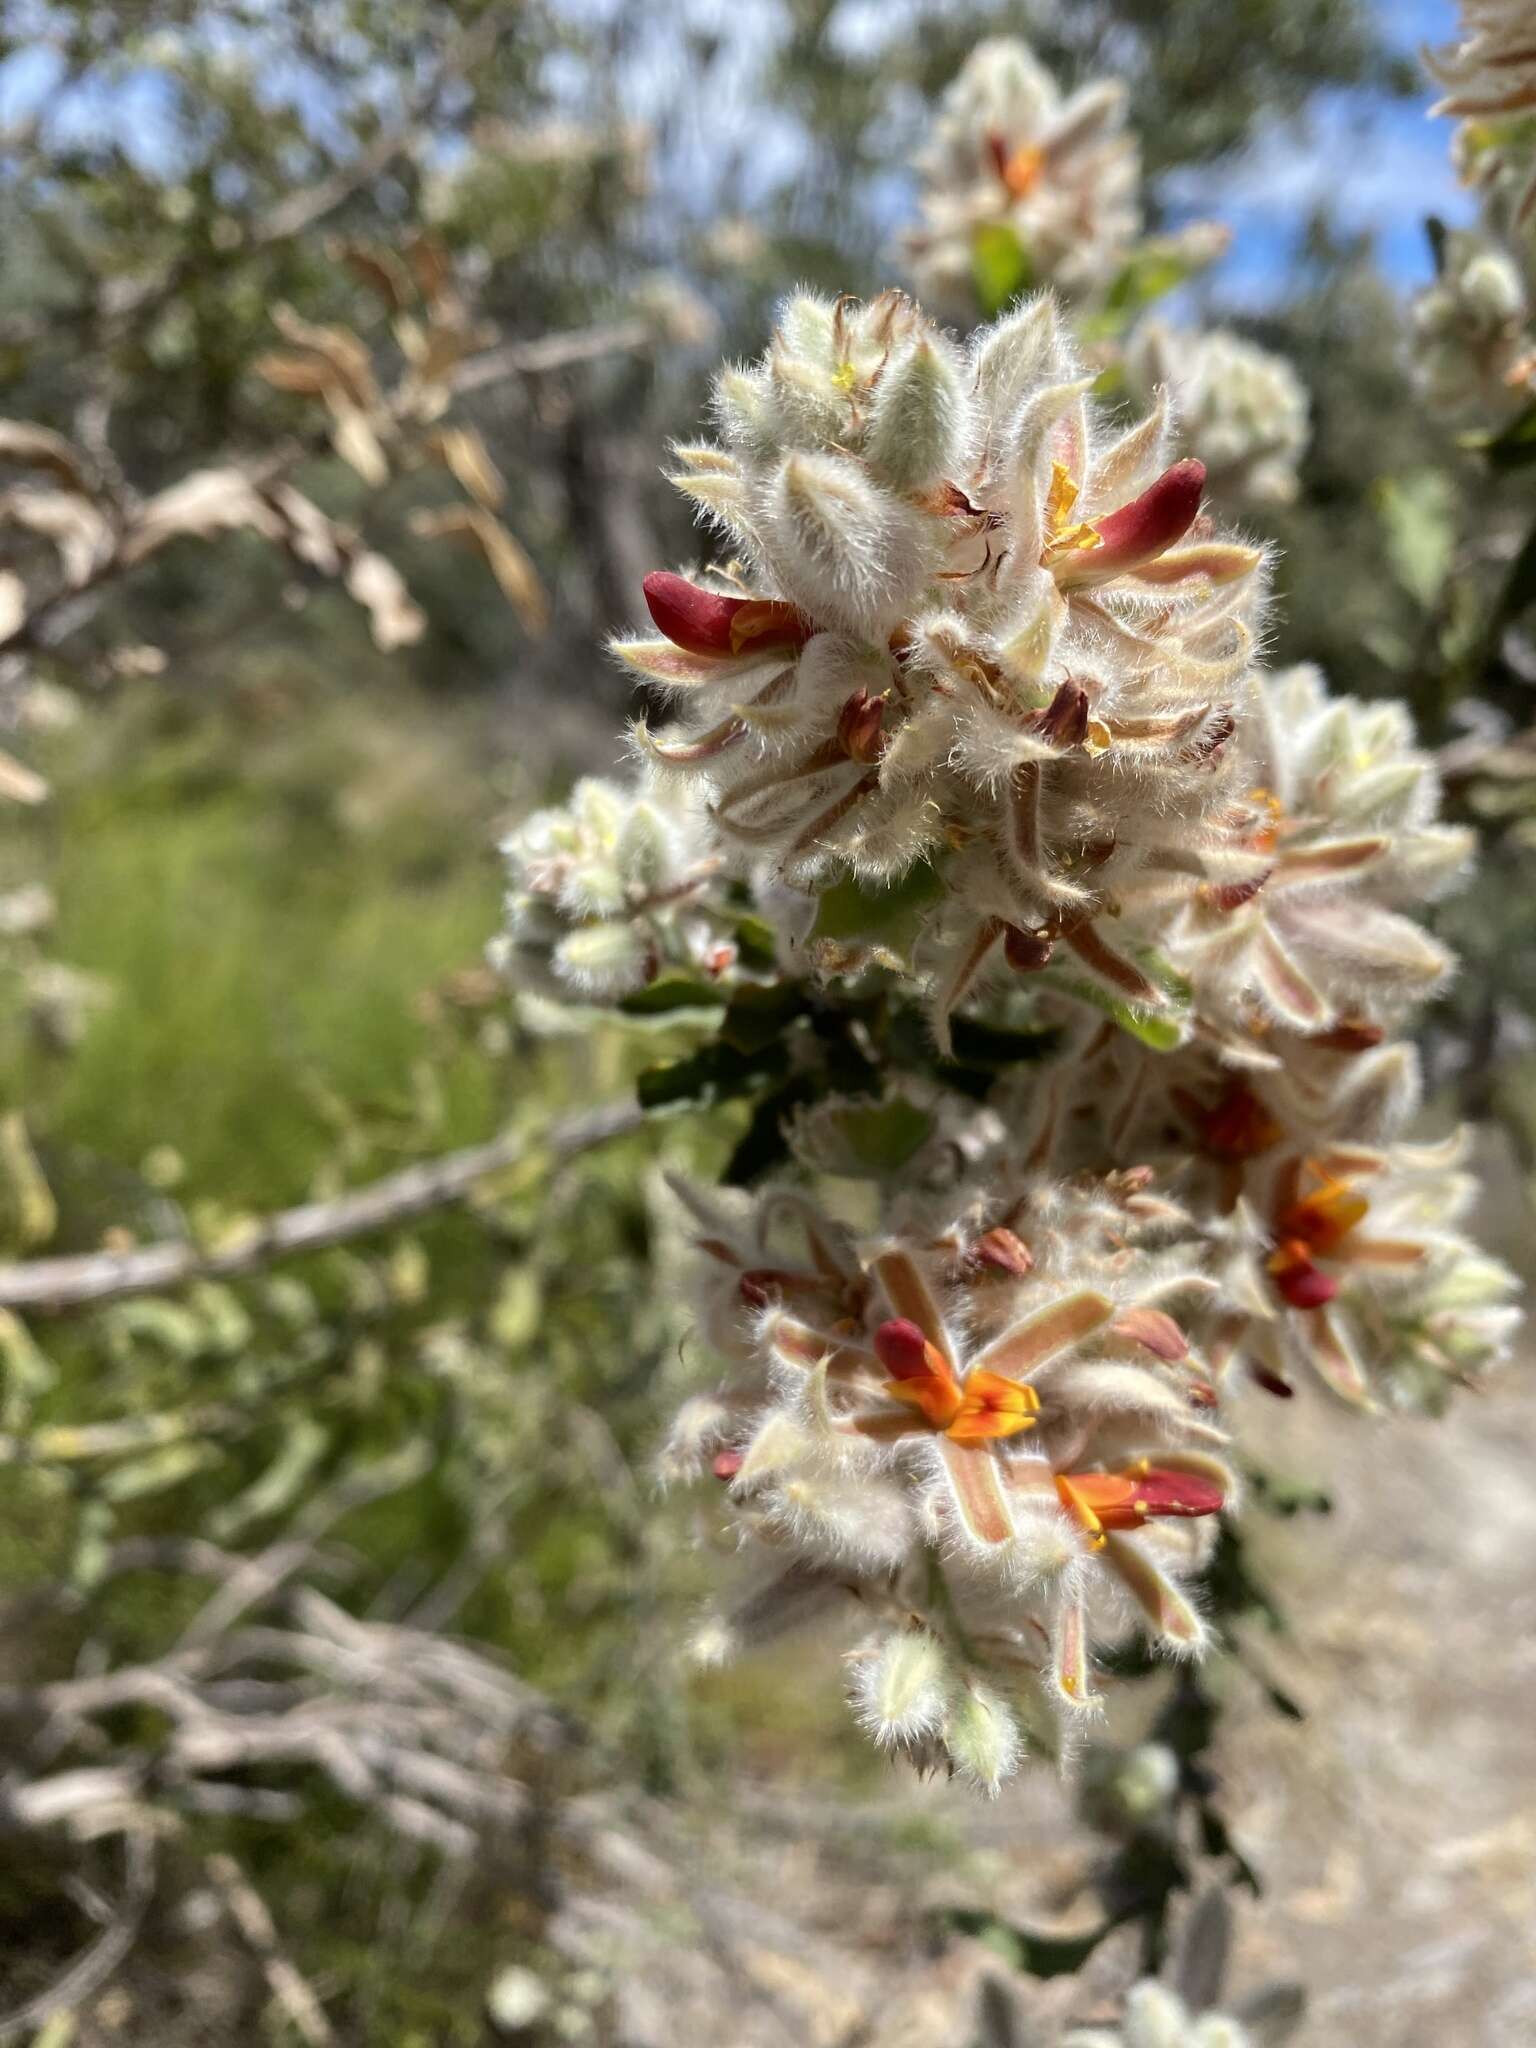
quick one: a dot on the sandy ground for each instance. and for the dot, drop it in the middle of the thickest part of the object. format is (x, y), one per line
(1396, 1829)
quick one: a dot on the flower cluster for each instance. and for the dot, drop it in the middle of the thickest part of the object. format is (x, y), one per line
(967, 628)
(1244, 409)
(1156, 2017)
(985, 1452)
(1473, 348)
(1490, 74)
(974, 706)
(606, 891)
(1009, 150)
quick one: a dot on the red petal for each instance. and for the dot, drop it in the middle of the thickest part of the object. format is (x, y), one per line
(902, 1349)
(1161, 1492)
(1163, 514)
(1306, 1285)
(727, 1464)
(699, 621)
(704, 622)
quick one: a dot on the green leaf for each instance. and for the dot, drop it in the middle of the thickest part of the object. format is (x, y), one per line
(1155, 1028)
(1000, 266)
(716, 1073)
(1519, 586)
(1512, 447)
(883, 1136)
(761, 1146)
(673, 992)
(759, 1015)
(994, 1045)
(1039, 1955)
(886, 912)
(1418, 518)
(756, 944)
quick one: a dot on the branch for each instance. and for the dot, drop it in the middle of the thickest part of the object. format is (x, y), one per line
(51, 1286)
(549, 352)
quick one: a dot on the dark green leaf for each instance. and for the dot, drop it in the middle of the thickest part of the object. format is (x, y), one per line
(884, 911)
(1038, 1955)
(672, 992)
(1512, 447)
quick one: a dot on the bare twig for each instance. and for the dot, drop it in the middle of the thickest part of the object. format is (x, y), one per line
(248, 1910)
(86, 1975)
(549, 352)
(51, 1286)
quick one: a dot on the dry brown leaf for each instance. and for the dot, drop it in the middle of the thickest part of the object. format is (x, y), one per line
(378, 268)
(506, 557)
(378, 586)
(465, 455)
(358, 445)
(76, 527)
(305, 531)
(338, 347)
(308, 376)
(21, 784)
(206, 502)
(40, 448)
(430, 266)
(13, 603)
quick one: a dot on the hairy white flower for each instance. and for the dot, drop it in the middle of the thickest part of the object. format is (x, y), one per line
(966, 629)
(1491, 75)
(1335, 835)
(1472, 344)
(1010, 150)
(1241, 408)
(1003, 1430)
(605, 890)
(1156, 2017)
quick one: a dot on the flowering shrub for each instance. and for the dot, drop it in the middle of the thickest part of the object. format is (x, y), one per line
(1064, 953)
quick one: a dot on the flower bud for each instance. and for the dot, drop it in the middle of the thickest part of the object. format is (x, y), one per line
(899, 1692)
(859, 727)
(603, 960)
(902, 1349)
(1003, 1251)
(982, 1736)
(914, 430)
(1026, 952)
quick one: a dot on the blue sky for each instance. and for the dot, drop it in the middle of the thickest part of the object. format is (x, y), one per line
(1377, 164)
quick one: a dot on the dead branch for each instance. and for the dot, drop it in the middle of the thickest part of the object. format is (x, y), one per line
(52, 1286)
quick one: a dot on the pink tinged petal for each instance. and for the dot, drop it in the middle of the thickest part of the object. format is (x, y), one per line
(686, 753)
(1285, 988)
(794, 1343)
(1329, 857)
(1386, 1251)
(1042, 1336)
(910, 1296)
(1141, 531)
(726, 1464)
(1170, 1616)
(659, 661)
(1159, 1333)
(1069, 1655)
(975, 1480)
(1333, 1359)
(1212, 561)
(1114, 968)
(969, 959)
